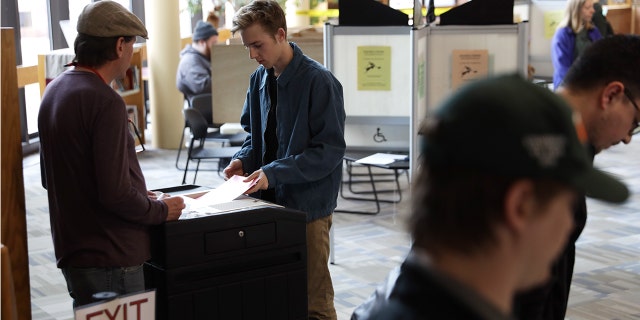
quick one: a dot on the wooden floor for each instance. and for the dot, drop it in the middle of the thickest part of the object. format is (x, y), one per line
(606, 282)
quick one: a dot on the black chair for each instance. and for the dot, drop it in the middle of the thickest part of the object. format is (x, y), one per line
(197, 150)
(204, 104)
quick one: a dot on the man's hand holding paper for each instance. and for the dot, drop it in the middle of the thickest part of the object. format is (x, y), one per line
(260, 181)
(226, 192)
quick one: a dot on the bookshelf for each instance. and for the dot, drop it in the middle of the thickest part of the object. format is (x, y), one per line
(132, 92)
(135, 95)
(620, 16)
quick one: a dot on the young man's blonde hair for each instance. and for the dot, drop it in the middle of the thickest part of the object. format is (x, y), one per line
(267, 13)
(573, 16)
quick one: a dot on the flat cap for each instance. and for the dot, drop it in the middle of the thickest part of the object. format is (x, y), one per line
(109, 19)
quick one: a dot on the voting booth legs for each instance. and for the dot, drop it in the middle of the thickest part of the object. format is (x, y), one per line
(370, 178)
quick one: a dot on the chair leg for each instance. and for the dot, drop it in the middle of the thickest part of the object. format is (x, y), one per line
(180, 146)
(195, 175)
(186, 169)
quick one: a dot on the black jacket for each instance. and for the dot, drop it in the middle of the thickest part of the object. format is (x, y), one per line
(421, 293)
(549, 301)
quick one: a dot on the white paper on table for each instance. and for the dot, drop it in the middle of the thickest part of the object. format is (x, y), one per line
(226, 192)
(188, 202)
(382, 158)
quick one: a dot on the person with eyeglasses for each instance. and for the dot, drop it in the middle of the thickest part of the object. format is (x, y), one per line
(602, 87)
(99, 205)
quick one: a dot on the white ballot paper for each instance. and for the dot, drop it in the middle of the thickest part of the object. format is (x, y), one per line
(382, 158)
(229, 190)
(221, 199)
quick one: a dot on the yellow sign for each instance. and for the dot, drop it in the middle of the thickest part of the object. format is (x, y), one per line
(374, 68)
(468, 65)
(551, 21)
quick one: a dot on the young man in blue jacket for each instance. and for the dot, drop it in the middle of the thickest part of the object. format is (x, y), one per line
(294, 114)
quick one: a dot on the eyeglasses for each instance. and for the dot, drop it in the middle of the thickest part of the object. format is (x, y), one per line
(137, 133)
(636, 124)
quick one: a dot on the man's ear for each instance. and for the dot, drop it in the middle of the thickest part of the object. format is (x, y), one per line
(519, 204)
(609, 92)
(281, 35)
(120, 46)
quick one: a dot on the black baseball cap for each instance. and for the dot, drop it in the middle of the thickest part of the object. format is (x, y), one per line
(508, 126)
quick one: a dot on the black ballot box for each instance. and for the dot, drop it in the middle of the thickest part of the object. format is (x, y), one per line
(242, 264)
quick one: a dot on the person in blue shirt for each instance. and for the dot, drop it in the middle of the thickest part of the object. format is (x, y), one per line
(294, 114)
(575, 33)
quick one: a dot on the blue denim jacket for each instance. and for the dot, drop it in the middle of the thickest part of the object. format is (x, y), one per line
(310, 132)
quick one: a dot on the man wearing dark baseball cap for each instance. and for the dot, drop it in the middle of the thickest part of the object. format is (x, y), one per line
(98, 201)
(500, 171)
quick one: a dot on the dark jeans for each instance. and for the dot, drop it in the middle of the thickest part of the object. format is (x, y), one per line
(82, 283)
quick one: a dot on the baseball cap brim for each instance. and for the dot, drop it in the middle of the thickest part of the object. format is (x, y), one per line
(600, 185)
(531, 133)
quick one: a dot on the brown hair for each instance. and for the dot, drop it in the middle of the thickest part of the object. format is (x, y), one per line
(267, 13)
(458, 208)
(213, 18)
(96, 51)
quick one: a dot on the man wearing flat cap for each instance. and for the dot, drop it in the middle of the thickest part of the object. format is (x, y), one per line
(100, 209)
(194, 71)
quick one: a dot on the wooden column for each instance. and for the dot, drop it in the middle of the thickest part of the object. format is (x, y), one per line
(13, 211)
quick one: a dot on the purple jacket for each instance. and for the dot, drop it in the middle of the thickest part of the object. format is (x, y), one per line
(562, 51)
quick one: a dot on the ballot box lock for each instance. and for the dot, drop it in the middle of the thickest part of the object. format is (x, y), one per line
(241, 233)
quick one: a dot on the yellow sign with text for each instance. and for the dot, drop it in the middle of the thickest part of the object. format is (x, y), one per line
(374, 68)
(551, 21)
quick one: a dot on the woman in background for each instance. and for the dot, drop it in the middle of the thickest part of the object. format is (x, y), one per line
(575, 33)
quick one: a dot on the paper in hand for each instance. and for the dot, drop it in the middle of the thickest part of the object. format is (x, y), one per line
(227, 192)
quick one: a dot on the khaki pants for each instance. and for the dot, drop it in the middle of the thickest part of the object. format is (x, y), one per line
(319, 286)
